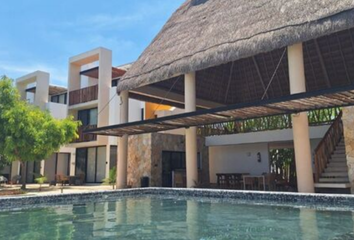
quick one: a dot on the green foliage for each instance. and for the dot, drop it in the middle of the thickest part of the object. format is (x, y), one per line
(316, 117)
(111, 180)
(40, 179)
(28, 133)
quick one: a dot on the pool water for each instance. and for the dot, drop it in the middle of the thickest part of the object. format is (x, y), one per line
(156, 218)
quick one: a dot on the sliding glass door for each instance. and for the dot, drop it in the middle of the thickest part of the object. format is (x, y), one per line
(92, 163)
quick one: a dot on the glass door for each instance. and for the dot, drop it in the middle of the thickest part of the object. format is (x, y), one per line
(81, 162)
(101, 164)
(91, 165)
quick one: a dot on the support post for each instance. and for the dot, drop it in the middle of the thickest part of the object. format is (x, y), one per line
(301, 134)
(122, 161)
(191, 133)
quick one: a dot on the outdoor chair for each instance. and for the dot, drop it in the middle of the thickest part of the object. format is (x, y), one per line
(250, 183)
(80, 179)
(62, 179)
(15, 179)
(179, 180)
(3, 180)
(269, 182)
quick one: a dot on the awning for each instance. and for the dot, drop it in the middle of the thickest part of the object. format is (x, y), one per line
(329, 98)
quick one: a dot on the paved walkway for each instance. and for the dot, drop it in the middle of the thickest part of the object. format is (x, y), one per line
(33, 189)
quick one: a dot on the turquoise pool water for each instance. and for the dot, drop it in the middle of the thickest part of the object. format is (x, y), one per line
(154, 218)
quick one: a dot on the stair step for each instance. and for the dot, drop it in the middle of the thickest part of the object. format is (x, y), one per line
(332, 185)
(334, 180)
(338, 160)
(339, 152)
(336, 169)
(338, 156)
(334, 174)
(337, 164)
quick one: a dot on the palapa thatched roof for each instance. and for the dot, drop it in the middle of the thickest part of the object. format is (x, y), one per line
(206, 33)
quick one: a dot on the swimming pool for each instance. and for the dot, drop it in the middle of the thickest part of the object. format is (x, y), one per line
(181, 216)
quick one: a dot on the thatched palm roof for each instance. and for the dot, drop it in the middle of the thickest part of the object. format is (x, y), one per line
(207, 33)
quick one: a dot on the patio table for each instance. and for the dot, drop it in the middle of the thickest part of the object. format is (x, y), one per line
(254, 176)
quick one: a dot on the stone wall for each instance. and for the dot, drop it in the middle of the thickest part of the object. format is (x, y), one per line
(145, 157)
(348, 125)
(139, 158)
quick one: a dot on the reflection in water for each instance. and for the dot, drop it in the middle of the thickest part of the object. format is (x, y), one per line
(308, 224)
(151, 218)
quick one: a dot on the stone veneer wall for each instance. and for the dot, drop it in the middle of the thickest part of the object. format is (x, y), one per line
(139, 158)
(145, 156)
(348, 125)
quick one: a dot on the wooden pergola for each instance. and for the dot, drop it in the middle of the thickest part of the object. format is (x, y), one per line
(339, 97)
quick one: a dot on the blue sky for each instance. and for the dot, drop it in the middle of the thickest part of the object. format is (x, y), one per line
(42, 35)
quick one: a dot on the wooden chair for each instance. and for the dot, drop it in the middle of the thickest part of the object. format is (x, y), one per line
(269, 182)
(250, 183)
(62, 179)
(179, 183)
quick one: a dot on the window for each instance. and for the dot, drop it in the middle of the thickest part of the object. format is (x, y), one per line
(88, 116)
(59, 98)
(115, 82)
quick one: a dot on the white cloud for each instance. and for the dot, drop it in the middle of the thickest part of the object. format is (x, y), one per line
(57, 75)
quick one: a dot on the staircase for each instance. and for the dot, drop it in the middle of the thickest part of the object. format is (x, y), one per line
(331, 162)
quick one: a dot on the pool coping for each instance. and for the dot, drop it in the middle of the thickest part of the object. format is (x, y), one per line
(335, 201)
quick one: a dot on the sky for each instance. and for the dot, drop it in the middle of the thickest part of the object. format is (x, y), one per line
(42, 34)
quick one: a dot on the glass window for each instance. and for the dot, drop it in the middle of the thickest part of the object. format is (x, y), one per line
(88, 116)
(93, 116)
(113, 157)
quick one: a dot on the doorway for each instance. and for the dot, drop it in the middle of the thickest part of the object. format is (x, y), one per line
(57, 164)
(173, 162)
(92, 163)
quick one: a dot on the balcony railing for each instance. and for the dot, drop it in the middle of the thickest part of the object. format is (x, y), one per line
(316, 118)
(86, 137)
(83, 95)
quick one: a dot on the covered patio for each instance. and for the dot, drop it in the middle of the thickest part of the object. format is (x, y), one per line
(221, 63)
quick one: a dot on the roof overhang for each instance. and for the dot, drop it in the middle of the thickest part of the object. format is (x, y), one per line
(338, 97)
(93, 72)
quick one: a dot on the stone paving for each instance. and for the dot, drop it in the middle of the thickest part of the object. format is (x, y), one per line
(33, 189)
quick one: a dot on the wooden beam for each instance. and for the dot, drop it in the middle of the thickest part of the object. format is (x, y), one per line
(259, 74)
(229, 81)
(323, 66)
(343, 59)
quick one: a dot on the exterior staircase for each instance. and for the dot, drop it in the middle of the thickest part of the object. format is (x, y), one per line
(330, 161)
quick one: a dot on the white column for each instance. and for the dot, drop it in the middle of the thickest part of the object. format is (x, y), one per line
(191, 133)
(302, 145)
(123, 143)
(41, 171)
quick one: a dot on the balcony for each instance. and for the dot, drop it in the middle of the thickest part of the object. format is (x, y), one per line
(83, 95)
(84, 137)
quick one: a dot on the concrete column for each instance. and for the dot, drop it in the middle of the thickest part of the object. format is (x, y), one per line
(302, 145)
(191, 133)
(123, 143)
(41, 171)
(15, 169)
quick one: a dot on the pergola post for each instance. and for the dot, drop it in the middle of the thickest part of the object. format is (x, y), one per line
(301, 135)
(122, 161)
(191, 132)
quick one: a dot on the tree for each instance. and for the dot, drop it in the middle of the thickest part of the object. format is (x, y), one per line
(28, 133)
